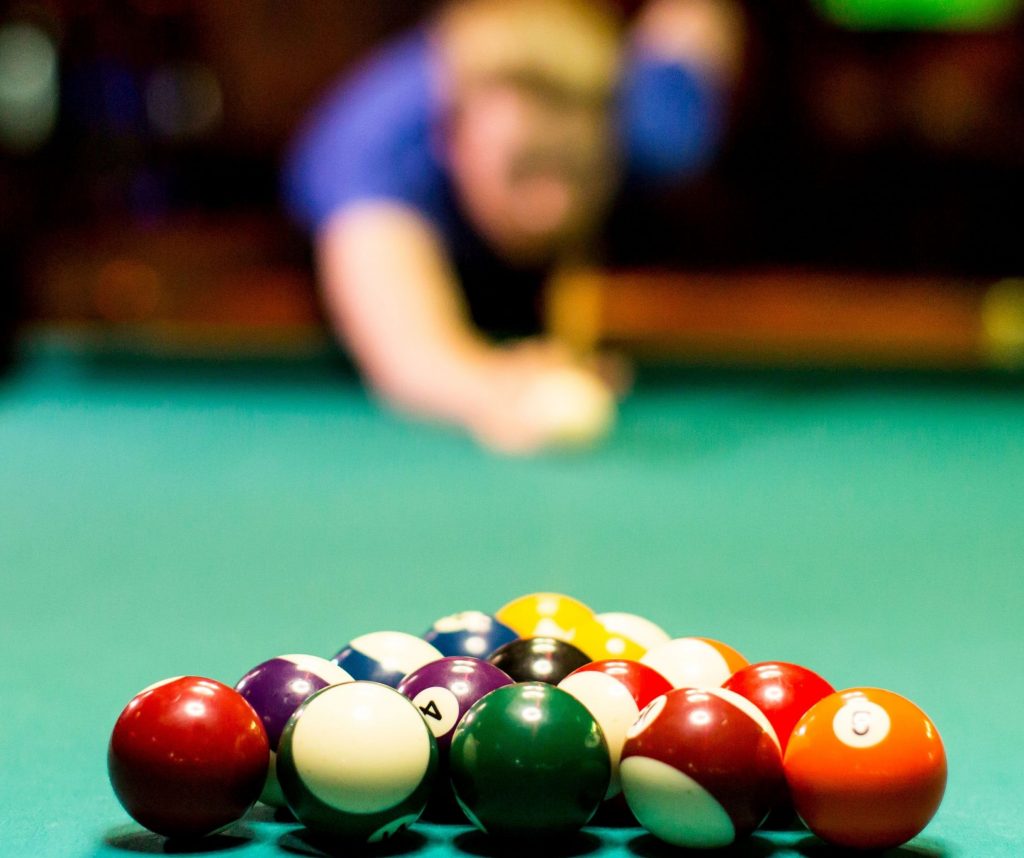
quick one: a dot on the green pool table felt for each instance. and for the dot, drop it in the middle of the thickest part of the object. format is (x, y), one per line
(158, 520)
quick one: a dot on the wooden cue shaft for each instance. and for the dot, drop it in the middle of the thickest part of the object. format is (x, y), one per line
(799, 318)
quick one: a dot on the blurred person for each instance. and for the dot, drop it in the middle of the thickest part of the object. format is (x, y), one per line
(446, 180)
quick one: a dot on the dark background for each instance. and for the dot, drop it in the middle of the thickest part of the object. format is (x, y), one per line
(151, 202)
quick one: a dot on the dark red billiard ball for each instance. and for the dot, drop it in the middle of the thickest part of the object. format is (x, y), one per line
(187, 757)
(701, 768)
(784, 692)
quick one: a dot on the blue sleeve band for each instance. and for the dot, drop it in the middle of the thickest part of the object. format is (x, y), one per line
(671, 120)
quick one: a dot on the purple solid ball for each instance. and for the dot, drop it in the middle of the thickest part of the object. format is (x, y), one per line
(276, 688)
(444, 691)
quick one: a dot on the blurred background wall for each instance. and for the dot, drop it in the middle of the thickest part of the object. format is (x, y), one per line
(140, 142)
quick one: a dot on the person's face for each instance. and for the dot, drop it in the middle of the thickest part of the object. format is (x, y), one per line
(534, 167)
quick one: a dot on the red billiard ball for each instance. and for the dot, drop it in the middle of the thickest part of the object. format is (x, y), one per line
(187, 757)
(784, 692)
(701, 768)
(866, 769)
(642, 682)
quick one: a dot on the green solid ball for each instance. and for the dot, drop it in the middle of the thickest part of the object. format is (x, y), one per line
(357, 762)
(529, 760)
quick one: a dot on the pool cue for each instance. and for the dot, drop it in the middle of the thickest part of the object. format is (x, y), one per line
(793, 318)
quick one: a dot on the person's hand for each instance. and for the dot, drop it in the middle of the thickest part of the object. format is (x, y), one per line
(542, 398)
(706, 34)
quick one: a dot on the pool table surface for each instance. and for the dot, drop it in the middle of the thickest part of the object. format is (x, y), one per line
(159, 519)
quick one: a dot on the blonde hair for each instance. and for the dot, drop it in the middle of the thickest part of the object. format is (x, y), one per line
(569, 44)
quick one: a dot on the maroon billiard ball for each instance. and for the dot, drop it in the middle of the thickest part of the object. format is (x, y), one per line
(701, 768)
(783, 691)
(187, 757)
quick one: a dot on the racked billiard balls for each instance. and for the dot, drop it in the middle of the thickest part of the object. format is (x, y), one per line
(357, 762)
(615, 691)
(529, 760)
(385, 657)
(694, 662)
(538, 659)
(866, 769)
(469, 633)
(701, 768)
(783, 691)
(187, 757)
(275, 689)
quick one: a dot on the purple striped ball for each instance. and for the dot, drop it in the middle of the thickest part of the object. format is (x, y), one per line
(275, 689)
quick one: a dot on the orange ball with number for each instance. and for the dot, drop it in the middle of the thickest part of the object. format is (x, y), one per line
(866, 769)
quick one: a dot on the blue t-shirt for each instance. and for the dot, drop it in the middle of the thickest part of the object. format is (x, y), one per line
(374, 137)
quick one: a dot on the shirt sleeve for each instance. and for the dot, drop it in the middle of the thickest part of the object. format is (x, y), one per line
(671, 120)
(369, 139)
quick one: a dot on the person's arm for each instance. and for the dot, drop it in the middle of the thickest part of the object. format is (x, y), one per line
(391, 294)
(394, 299)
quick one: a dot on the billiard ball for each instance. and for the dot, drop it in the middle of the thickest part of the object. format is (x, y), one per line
(783, 691)
(275, 689)
(615, 691)
(642, 682)
(469, 633)
(529, 760)
(601, 644)
(866, 769)
(385, 657)
(538, 659)
(187, 757)
(701, 768)
(357, 762)
(568, 407)
(694, 662)
(550, 615)
(639, 629)
(445, 690)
